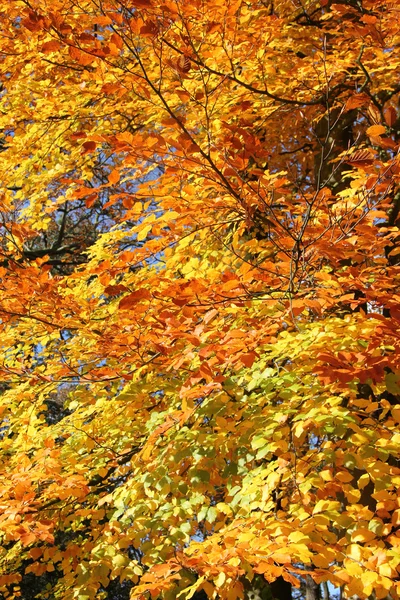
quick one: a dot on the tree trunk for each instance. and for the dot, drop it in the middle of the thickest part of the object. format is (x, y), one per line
(313, 591)
(259, 589)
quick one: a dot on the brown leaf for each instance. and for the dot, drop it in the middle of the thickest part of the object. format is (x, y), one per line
(361, 158)
(390, 115)
(114, 290)
(374, 114)
(183, 64)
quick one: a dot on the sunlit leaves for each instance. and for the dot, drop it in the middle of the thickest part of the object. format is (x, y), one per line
(199, 297)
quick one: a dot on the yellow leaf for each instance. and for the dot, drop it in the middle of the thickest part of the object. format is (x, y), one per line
(362, 535)
(326, 475)
(189, 592)
(396, 413)
(353, 568)
(119, 560)
(143, 232)
(363, 481)
(354, 550)
(325, 505)
(344, 476)
(353, 496)
(220, 580)
(368, 579)
(297, 537)
(224, 508)
(386, 570)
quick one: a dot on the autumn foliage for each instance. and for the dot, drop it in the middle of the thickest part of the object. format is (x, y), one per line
(199, 298)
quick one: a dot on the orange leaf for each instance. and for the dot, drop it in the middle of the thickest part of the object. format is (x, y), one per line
(35, 553)
(130, 300)
(281, 557)
(356, 101)
(91, 199)
(297, 307)
(390, 115)
(248, 359)
(376, 130)
(102, 20)
(51, 46)
(83, 58)
(113, 177)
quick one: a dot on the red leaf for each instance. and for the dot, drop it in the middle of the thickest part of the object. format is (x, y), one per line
(90, 200)
(34, 22)
(149, 29)
(128, 301)
(110, 88)
(114, 290)
(141, 3)
(89, 146)
(51, 46)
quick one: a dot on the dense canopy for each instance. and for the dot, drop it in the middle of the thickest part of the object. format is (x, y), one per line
(199, 299)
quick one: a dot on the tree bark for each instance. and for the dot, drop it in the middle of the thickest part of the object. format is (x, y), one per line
(259, 589)
(313, 591)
